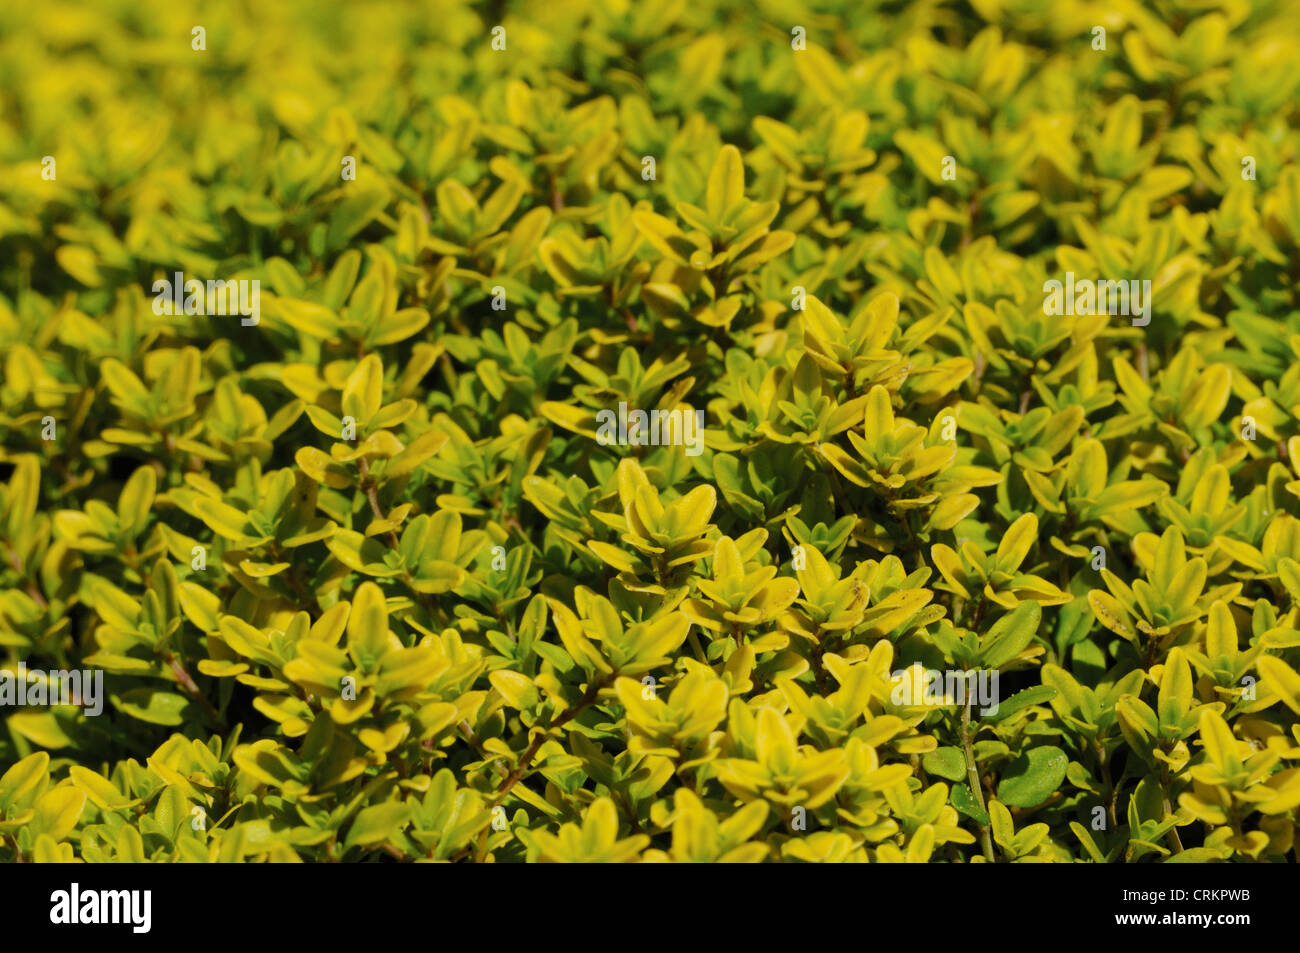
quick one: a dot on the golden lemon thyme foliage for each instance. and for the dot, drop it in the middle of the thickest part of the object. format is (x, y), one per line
(669, 432)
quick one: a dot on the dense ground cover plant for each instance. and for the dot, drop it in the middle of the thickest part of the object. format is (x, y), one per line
(368, 574)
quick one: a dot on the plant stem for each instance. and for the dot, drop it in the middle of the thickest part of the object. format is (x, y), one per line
(1110, 784)
(372, 494)
(1174, 840)
(187, 682)
(526, 759)
(973, 778)
(818, 667)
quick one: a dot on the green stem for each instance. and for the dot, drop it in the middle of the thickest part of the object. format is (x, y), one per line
(973, 777)
(1109, 782)
(1174, 840)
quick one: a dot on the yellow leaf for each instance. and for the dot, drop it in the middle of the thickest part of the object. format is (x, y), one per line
(57, 811)
(517, 689)
(726, 183)
(23, 778)
(1221, 633)
(101, 791)
(221, 519)
(1281, 679)
(1174, 699)
(364, 390)
(368, 623)
(1016, 542)
(1220, 745)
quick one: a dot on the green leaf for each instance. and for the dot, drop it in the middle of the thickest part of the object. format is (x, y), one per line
(1010, 635)
(376, 824)
(1036, 695)
(353, 214)
(965, 802)
(1033, 777)
(154, 705)
(947, 763)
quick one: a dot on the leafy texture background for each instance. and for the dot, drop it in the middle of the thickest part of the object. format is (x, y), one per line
(366, 583)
